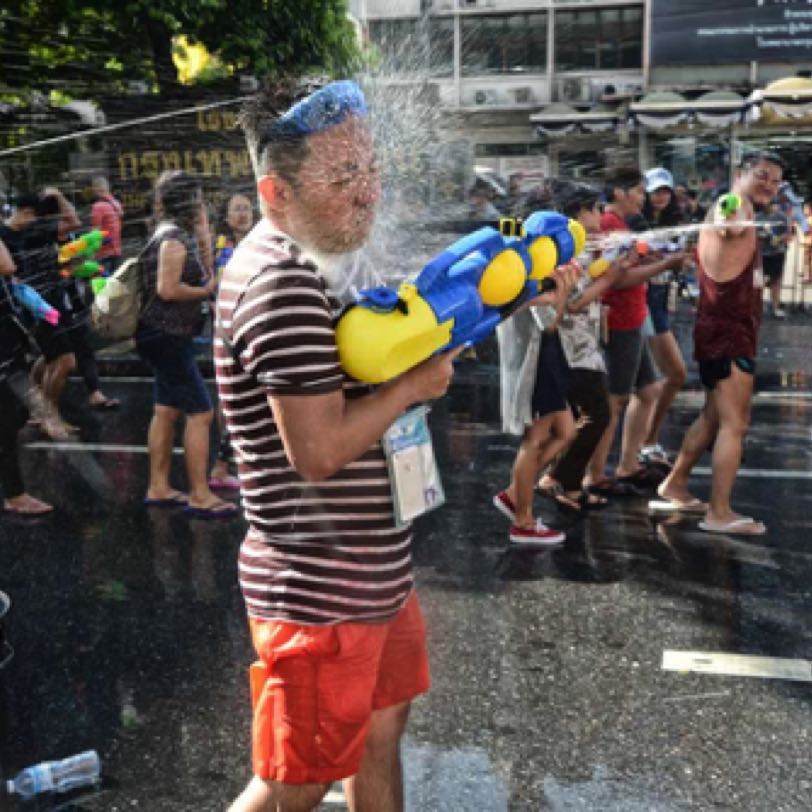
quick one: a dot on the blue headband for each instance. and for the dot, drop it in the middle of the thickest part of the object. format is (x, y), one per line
(321, 110)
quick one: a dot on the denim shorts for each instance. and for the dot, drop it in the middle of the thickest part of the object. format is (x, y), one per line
(178, 382)
(657, 298)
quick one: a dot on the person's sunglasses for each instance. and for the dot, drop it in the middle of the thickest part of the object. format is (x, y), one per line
(325, 108)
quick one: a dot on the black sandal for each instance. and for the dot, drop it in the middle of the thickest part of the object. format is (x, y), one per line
(644, 477)
(613, 488)
(592, 501)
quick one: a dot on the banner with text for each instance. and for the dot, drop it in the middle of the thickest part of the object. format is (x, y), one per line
(699, 32)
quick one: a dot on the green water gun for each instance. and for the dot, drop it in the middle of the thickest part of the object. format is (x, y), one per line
(729, 204)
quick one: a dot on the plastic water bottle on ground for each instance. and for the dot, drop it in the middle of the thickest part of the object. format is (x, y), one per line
(80, 770)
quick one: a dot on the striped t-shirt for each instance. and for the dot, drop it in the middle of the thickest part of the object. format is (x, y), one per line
(316, 552)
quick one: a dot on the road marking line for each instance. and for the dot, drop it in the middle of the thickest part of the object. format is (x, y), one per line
(105, 448)
(737, 665)
(760, 473)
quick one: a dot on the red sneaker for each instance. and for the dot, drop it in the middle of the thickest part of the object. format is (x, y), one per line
(503, 503)
(540, 535)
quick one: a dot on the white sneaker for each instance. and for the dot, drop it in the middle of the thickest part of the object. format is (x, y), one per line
(778, 313)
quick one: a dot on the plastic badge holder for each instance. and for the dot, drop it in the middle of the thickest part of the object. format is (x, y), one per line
(413, 472)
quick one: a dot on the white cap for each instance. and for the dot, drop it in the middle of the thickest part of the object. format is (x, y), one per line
(658, 178)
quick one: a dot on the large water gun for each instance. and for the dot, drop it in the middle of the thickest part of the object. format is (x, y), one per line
(33, 302)
(458, 298)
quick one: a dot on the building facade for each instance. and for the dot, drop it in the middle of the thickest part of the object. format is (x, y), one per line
(496, 63)
(570, 86)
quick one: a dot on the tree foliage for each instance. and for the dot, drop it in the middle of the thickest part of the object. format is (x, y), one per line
(92, 48)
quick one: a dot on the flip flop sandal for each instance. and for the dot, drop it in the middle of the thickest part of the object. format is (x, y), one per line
(733, 528)
(106, 404)
(39, 509)
(178, 500)
(219, 510)
(696, 506)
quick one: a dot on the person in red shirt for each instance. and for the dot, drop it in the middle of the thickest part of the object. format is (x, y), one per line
(731, 293)
(107, 213)
(633, 379)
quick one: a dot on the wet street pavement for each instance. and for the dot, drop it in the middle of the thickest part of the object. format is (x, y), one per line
(548, 686)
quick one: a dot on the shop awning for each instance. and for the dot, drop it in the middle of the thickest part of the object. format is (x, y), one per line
(560, 119)
(662, 109)
(785, 101)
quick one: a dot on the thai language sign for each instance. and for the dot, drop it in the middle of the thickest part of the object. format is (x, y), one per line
(708, 32)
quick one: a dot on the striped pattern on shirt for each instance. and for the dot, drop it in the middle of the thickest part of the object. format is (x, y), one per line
(315, 553)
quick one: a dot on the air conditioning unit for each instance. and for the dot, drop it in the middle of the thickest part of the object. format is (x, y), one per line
(574, 89)
(523, 95)
(485, 97)
(615, 88)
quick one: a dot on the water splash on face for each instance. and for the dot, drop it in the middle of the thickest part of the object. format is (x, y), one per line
(420, 171)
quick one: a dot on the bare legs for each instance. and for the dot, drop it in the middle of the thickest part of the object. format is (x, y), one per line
(51, 377)
(635, 423)
(542, 441)
(670, 362)
(161, 439)
(723, 421)
(378, 784)
(376, 787)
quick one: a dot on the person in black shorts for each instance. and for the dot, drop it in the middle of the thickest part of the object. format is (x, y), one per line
(13, 413)
(550, 427)
(32, 235)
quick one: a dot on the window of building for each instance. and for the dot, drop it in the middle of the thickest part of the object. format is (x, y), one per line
(441, 46)
(414, 46)
(599, 39)
(505, 43)
(397, 42)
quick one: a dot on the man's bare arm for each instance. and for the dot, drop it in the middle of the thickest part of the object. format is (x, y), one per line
(322, 434)
(641, 273)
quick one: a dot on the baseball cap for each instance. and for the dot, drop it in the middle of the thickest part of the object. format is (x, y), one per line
(657, 178)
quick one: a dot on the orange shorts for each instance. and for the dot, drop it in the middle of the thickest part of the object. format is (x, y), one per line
(315, 687)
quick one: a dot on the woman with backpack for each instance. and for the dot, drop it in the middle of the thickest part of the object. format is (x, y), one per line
(177, 287)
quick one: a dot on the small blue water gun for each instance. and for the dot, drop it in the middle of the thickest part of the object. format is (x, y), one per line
(34, 303)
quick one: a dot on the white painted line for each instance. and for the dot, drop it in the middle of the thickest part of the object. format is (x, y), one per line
(104, 448)
(784, 395)
(737, 665)
(760, 473)
(132, 379)
(688, 697)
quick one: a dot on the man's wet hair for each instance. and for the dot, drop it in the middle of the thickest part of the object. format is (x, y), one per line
(283, 155)
(752, 159)
(621, 177)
